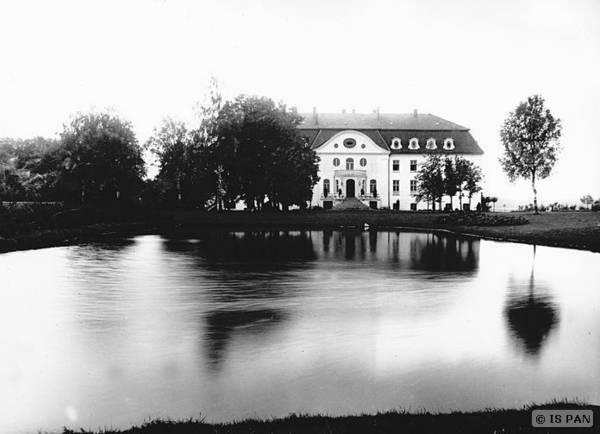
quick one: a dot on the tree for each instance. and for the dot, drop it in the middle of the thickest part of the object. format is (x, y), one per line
(170, 144)
(100, 158)
(587, 200)
(493, 200)
(451, 179)
(430, 180)
(259, 155)
(530, 136)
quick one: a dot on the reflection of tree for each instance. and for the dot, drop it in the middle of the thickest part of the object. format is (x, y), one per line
(444, 253)
(530, 317)
(221, 325)
(247, 250)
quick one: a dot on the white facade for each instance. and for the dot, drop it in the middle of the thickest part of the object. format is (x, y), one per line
(382, 174)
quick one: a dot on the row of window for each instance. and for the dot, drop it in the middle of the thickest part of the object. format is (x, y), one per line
(363, 163)
(396, 186)
(396, 165)
(350, 163)
(372, 186)
(430, 144)
(327, 186)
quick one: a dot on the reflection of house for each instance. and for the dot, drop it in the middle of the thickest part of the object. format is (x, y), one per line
(374, 157)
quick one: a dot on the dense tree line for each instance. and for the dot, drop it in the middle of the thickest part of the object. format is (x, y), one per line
(248, 149)
(441, 176)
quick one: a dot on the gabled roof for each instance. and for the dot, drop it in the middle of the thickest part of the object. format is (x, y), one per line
(382, 121)
(383, 128)
(323, 136)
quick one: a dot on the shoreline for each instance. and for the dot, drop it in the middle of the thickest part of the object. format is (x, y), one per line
(482, 421)
(576, 230)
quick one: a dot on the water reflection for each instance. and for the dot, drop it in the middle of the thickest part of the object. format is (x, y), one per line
(222, 325)
(242, 324)
(435, 252)
(530, 312)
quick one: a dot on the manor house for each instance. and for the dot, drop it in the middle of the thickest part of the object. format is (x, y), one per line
(374, 157)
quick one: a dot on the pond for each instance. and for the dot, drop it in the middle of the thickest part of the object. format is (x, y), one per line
(231, 325)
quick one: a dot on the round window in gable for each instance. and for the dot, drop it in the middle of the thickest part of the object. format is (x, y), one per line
(335, 146)
(363, 162)
(363, 146)
(336, 162)
(349, 143)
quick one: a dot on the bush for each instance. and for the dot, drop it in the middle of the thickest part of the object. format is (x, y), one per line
(481, 219)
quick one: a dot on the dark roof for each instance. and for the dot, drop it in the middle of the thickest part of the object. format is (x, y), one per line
(374, 121)
(383, 128)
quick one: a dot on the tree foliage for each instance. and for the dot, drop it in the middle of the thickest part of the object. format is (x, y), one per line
(439, 176)
(98, 161)
(530, 136)
(259, 155)
(431, 185)
(587, 200)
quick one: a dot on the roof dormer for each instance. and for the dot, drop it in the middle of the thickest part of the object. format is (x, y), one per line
(431, 144)
(396, 143)
(413, 143)
(449, 144)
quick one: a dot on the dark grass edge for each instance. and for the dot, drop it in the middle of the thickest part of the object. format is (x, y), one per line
(169, 226)
(395, 421)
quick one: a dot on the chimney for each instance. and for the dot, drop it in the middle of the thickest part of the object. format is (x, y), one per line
(377, 113)
(343, 111)
(353, 111)
(295, 110)
(415, 114)
(315, 116)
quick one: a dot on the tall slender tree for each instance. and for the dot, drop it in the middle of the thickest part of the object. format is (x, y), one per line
(530, 136)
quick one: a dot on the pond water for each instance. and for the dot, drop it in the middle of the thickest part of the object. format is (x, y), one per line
(233, 325)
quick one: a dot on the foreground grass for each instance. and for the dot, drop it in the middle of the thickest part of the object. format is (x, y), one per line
(486, 421)
(577, 230)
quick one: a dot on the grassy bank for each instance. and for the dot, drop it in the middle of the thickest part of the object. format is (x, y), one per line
(577, 230)
(487, 421)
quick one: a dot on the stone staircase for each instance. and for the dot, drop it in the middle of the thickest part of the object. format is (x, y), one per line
(350, 203)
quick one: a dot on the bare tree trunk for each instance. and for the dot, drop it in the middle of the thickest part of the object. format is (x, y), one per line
(535, 206)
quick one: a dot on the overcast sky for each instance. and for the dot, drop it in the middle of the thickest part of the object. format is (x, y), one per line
(470, 62)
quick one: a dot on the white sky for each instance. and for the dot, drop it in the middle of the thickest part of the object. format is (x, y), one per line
(470, 62)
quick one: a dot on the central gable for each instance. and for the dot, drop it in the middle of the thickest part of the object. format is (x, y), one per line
(350, 142)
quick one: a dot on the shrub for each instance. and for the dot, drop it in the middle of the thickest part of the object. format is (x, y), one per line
(481, 219)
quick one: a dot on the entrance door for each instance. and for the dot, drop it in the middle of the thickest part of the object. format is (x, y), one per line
(350, 188)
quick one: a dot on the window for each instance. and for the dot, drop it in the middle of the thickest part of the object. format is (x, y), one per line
(396, 187)
(431, 144)
(326, 187)
(373, 187)
(448, 144)
(363, 146)
(396, 165)
(335, 146)
(414, 143)
(350, 143)
(413, 165)
(336, 162)
(413, 185)
(396, 143)
(363, 162)
(349, 164)
(413, 206)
